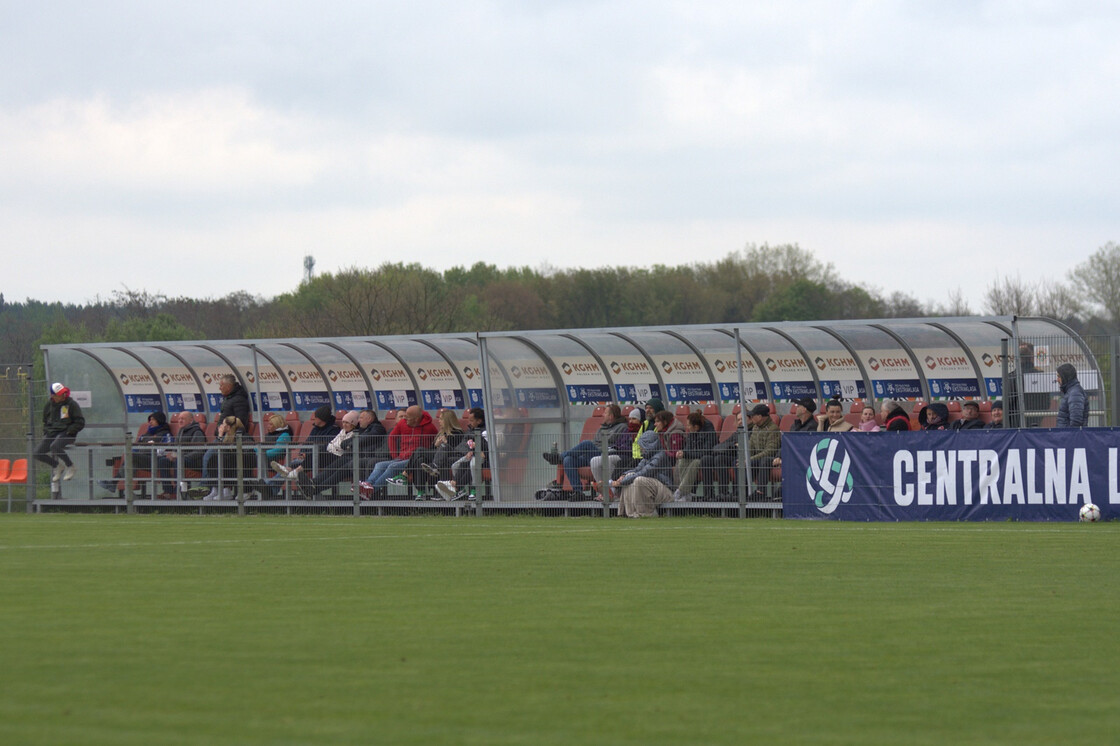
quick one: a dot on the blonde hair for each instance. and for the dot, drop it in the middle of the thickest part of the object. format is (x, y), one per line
(448, 421)
(276, 421)
(233, 427)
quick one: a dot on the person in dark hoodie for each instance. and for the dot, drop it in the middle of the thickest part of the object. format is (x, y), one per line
(414, 430)
(158, 432)
(934, 416)
(62, 421)
(895, 417)
(1073, 409)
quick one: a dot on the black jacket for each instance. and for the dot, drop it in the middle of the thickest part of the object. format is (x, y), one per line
(237, 405)
(192, 435)
(699, 444)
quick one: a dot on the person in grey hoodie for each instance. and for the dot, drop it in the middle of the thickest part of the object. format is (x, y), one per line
(1073, 409)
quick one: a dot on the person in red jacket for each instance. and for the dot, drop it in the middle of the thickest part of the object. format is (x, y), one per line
(414, 430)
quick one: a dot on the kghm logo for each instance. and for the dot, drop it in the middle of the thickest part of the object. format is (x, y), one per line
(829, 478)
(773, 366)
(820, 363)
(930, 362)
(873, 363)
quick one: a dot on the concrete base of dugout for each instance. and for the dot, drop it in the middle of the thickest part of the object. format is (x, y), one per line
(395, 507)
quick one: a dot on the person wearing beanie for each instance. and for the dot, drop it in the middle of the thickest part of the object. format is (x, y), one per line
(649, 483)
(62, 421)
(997, 416)
(1073, 409)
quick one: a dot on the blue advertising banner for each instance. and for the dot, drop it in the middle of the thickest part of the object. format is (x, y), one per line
(907, 388)
(539, 398)
(143, 403)
(941, 387)
(843, 389)
(793, 389)
(588, 393)
(995, 387)
(688, 393)
(179, 402)
(970, 475)
(401, 399)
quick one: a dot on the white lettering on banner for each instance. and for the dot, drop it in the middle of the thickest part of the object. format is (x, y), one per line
(1113, 492)
(946, 478)
(903, 493)
(1029, 477)
(989, 477)
(925, 479)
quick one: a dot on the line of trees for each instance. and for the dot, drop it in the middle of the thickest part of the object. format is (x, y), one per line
(759, 283)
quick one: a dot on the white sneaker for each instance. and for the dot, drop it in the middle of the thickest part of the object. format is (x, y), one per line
(184, 487)
(445, 490)
(212, 495)
(56, 472)
(280, 469)
(69, 472)
(227, 493)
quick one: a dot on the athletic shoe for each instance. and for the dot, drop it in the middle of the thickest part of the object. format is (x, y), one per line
(420, 495)
(280, 469)
(184, 487)
(212, 494)
(446, 491)
(432, 470)
(69, 472)
(227, 493)
(399, 479)
(56, 472)
(552, 458)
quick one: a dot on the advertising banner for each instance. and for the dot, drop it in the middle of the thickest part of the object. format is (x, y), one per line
(971, 475)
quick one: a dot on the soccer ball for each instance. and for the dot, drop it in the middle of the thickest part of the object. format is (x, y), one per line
(1089, 513)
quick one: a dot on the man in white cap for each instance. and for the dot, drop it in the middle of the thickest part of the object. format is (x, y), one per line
(62, 421)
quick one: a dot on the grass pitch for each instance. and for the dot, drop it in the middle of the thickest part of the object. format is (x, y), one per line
(266, 630)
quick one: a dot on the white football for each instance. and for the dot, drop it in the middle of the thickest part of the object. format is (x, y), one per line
(1089, 513)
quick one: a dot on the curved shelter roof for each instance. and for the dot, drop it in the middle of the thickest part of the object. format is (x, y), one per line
(555, 374)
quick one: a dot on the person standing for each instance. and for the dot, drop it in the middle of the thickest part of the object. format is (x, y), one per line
(1073, 409)
(62, 421)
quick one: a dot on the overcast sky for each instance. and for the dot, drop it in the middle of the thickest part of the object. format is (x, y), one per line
(203, 148)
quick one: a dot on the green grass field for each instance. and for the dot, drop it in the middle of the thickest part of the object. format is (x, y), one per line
(289, 630)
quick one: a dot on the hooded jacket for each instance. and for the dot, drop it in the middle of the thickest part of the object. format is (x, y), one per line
(1073, 409)
(942, 413)
(64, 417)
(655, 463)
(897, 420)
(405, 438)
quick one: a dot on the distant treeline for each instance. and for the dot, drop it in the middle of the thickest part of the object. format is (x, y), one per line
(760, 283)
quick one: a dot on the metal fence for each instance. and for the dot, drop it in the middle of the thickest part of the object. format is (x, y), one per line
(119, 476)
